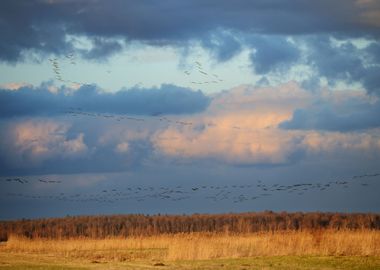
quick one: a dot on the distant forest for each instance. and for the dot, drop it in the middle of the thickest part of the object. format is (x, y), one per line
(149, 225)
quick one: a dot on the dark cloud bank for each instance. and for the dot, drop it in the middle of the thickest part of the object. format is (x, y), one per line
(42, 25)
(223, 27)
(166, 99)
(325, 117)
(39, 105)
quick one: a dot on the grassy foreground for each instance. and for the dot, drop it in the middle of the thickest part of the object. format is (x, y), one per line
(279, 250)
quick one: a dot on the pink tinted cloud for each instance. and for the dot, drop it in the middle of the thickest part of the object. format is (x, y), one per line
(241, 126)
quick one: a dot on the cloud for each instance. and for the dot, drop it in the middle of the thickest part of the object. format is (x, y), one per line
(49, 100)
(43, 27)
(122, 147)
(371, 12)
(343, 61)
(245, 130)
(337, 111)
(340, 144)
(279, 34)
(241, 126)
(313, 58)
(318, 58)
(102, 48)
(57, 145)
(327, 119)
(254, 147)
(30, 143)
(272, 54)
(15, 86)
(223, 45)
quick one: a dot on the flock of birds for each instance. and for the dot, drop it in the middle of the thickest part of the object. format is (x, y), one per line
(212, 78)
(157, 116)
(234, 193)
(76, 112)
(56, 68)
(26, 181)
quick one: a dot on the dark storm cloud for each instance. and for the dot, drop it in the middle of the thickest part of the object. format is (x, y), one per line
(167, 99)
(42, 25)
(223, 27)
(373, 52)
(102, 49)
(222, 45)
(350, 116)
(345, 62)
(27, 25)
(336, 60)
(272, 54)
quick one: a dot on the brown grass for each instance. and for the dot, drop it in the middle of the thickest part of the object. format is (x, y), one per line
(207, 246)
(363, 243)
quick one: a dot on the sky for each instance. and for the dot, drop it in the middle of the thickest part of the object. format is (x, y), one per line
(117, 107)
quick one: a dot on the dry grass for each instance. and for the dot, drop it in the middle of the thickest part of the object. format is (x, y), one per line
(322, 243)
(114, 249)
(206, 246)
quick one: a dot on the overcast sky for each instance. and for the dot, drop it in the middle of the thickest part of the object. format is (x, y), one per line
(188, 106)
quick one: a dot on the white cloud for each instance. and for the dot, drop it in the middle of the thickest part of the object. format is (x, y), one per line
(15, 85)
(39, 140)
(122, 147)
(241, 126)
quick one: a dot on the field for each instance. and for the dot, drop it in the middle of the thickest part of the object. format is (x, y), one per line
(324, 249)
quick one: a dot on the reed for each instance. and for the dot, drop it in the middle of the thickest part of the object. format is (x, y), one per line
(321, 243)
(201, 246)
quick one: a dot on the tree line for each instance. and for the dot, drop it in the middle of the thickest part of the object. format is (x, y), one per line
(149, 225)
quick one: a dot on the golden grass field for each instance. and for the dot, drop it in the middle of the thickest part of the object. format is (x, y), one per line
(360, 249)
